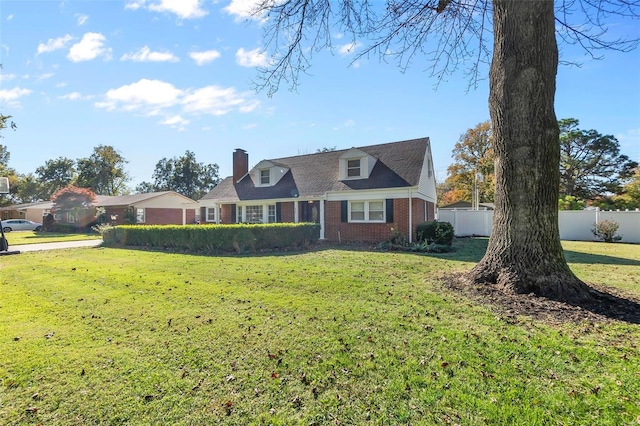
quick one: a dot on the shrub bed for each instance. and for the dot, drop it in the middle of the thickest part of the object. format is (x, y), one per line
(213, 239)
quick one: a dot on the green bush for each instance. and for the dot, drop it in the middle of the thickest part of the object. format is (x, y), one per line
(213, 239)
(439, 233)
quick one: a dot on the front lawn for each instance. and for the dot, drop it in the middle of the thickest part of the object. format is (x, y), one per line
(16, 238)
(333, 336)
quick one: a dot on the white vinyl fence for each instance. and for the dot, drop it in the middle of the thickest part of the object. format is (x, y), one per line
(574, 225)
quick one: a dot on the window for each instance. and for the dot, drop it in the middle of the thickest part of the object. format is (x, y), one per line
(253, 214)
(265, 177)
(211, 214)
(71, 218)
(353, 168)
(272, 213)
(367, 211)
(139, 215)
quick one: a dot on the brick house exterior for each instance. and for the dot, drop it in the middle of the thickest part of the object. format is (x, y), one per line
(153, 208)
(357, 194)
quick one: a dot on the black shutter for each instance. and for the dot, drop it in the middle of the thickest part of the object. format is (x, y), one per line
(344, 211)
(278, 212)
(389, 210)
(203, 214)
(233, 213)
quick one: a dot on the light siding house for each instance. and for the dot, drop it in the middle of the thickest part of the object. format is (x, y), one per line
(153, 208)
(357, 194)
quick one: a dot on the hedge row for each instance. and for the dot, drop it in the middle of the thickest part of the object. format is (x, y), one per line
(213, 239)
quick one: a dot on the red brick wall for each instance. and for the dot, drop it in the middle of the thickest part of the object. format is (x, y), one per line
(373, 232)
(287, 212)
(225, 214)
(158, 216)
(191, 216)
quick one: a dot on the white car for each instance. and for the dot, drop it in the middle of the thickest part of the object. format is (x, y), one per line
(20, 225)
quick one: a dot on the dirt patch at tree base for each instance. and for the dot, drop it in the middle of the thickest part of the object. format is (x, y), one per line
(611, 304)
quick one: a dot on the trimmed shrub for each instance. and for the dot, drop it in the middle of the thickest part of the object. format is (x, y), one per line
(606, 231)
(214, 239)
(435, 232)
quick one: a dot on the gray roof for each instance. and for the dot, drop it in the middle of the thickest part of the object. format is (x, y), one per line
(399, 165)
(128, 200)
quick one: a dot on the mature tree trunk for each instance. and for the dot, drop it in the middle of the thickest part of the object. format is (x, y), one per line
(524, 253)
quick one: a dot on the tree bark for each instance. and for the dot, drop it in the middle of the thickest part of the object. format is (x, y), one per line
(524, 253)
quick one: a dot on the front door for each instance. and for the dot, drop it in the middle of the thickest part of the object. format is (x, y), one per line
(310, 211)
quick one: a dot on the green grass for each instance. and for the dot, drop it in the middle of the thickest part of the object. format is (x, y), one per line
(16, 238)
(113, 336)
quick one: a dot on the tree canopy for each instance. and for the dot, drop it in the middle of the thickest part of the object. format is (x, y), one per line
(183, 175)
(592, 169)
(103, 171)
(473, 165)
(591, 164)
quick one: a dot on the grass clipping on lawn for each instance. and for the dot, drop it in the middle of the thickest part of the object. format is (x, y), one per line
(329, 336)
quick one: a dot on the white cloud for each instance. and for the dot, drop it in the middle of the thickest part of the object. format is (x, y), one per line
(11, 96)
(251, 58)
(205, 57)
(146, 55)
(90, 47)
(7, 77)
(184, 9)
(74, 96)
(82, 19)
(134, 4)
(175, 121)
(243, 9)
(214, 100)
(159, 98)
(54, 44)
(347, 49)
(143, 94)
(45, 76)
(10, 17)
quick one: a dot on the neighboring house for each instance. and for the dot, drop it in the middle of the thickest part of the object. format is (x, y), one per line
(358, 194)
(29, 211)
(466, 205)
(154, 208)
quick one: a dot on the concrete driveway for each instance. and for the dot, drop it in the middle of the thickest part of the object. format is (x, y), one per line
(55, 246)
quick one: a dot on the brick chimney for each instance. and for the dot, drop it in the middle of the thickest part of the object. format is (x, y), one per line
(240, 164)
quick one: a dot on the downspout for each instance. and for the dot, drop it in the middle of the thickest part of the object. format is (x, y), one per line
(322, 217)
(410, 218)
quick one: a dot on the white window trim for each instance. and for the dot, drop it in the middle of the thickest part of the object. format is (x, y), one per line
(360, 165)
(206, 216)
(366, 211)
(144, 215)
(241, 212)
(268, 176)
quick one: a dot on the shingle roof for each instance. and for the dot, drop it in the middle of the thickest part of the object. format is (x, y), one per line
(399, 165)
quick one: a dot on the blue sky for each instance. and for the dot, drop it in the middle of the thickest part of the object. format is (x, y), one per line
(154, 78)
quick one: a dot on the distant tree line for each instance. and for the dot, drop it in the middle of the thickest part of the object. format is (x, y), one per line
(593, 171)
(104, 173)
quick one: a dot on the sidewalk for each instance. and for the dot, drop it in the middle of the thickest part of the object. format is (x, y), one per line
(55, 246)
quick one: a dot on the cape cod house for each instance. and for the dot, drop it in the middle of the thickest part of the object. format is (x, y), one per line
(357, 194)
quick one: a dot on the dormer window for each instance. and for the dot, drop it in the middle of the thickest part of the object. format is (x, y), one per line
(268, 173)
(356, 164)
(353, 168)
(265, 177)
